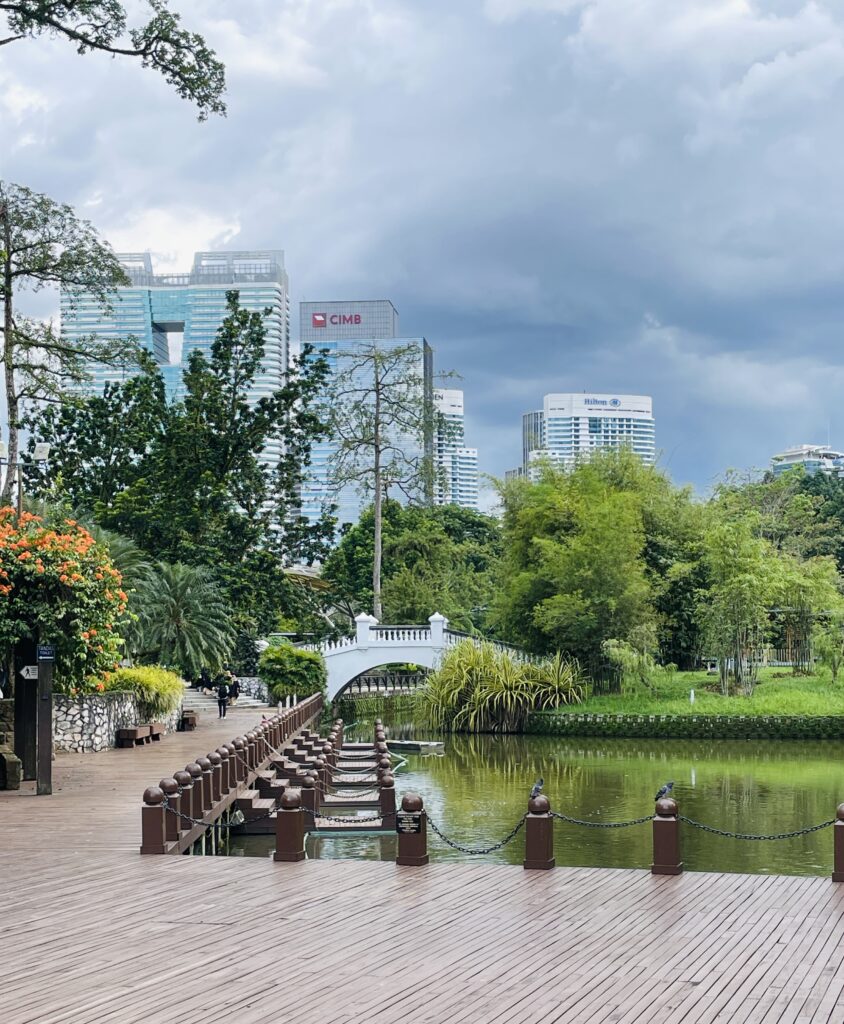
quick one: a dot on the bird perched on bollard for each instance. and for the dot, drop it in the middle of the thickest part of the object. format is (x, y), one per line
(537, 787)
(665, 791)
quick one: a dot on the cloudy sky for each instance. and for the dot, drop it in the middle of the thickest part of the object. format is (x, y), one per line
(613, 195)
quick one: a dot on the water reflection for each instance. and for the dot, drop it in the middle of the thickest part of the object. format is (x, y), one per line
(479, 788)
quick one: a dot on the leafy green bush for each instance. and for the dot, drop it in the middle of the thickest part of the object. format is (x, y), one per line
(289, 671)
(159, 691)
(479, 688)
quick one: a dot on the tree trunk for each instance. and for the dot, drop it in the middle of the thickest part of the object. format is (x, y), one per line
(8, 355)
(376, 559)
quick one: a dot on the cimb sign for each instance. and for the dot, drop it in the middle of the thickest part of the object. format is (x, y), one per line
(335, 319)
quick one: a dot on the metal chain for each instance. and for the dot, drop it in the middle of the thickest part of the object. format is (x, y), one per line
(217, 823)
(744, 835)
(602, 824)
(481, 850)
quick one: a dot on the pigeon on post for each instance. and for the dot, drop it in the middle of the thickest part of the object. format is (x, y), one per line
(537, 787)
(665, 791)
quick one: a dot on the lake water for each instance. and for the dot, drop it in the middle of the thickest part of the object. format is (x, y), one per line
(478, 790)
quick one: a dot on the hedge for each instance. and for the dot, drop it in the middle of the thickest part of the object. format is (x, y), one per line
(289, 671)
(726, 727)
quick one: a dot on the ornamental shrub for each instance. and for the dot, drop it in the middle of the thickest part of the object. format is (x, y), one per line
(58, 586)
(289, 671)
(159, 691)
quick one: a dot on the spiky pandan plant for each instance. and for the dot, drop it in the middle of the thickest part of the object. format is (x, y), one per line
(478, 688)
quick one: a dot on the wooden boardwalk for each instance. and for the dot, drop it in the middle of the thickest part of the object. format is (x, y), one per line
(90, 931)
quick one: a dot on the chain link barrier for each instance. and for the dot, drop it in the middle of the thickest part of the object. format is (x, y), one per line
(745, 835)
(478, 850)
(602, 824)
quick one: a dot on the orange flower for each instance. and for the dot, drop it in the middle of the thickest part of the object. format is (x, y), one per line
(85, 635)
(63, 577)
(122, 595)
(22, 557)
(101, 687)
(93, 632)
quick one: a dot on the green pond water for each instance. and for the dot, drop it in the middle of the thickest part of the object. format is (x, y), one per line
(478, 790)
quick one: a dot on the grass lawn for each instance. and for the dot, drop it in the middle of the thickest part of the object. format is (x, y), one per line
(777, 693)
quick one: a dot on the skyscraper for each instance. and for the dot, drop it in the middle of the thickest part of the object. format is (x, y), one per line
(336, 329)
(572, 427)
(455, 465)
(171, 315)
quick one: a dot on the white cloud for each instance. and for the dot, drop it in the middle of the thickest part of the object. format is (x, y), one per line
(172, 235)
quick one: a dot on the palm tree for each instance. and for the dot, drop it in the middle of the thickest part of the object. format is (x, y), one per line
(184, 620)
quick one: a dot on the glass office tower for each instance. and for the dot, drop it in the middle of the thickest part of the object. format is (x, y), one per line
(335, 328)
(172, 315)
(455, 465)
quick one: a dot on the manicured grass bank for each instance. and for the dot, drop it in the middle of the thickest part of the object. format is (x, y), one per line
(781, 707)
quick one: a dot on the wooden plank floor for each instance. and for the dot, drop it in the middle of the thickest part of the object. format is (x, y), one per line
(90, 931)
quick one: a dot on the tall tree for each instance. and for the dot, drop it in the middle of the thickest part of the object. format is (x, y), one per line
(382, 416)
(182, 57)
(43, 243)
(189, 482)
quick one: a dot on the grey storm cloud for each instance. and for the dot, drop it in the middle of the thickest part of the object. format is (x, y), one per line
(620, 195)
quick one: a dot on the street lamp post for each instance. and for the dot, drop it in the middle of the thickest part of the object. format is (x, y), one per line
(40, 454)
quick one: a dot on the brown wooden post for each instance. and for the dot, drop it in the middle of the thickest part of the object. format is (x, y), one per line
(290, 829)
(314, 774)
(309, 801)
(322, 775)
(232, 764)
(666, 827)
(382, 767)
(413, 844)
(152, 821)
(329, 755)
(196, 809)
(240, 758)
(207, 794)
(838, 846)
(338, 725)
(387, 800)
(185, 783)
(225, 766)
(539, 835)
(172, 819)
(216, 776)
(250, 749)
(381, 750)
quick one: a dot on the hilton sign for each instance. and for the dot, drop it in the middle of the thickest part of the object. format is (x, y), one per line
(335, 319)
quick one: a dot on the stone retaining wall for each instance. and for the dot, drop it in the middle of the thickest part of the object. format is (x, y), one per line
(89, 723)
(253, 687)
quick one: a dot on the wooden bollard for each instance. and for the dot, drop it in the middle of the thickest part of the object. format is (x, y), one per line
(322, 775)
(539, 834)
(196, 809)
(207, 777)
(290, 829)
(240, 758)
(251, 749)
(232, 764)
(314, 774)
(216, 776)
(382, 767)
(329, 755)
(666, 826)
(412, 827)
(387, 800)
(838, 846)
(152, 821)
(309, 800)
(185, 783)
(172, 818)
(225, 765)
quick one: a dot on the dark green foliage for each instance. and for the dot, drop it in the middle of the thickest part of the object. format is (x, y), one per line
(435, 559)
(182, 57)
(727, 727)
(245, 656)
(289, 671)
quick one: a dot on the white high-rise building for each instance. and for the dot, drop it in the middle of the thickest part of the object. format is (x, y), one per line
(455, 465)
(570, 428)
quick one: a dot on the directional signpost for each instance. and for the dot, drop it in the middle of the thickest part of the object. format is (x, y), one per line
(44, 674)
(29, 672)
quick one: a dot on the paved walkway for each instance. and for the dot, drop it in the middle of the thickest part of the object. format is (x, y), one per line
(90, 931)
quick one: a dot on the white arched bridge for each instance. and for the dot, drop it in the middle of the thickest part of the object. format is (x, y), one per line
(374, 645)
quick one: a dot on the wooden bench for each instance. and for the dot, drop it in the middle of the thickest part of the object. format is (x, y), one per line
(136, 736)
(189, 721)
(156, 731)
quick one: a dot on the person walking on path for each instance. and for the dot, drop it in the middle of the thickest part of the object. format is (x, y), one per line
(234, 688)
(222, 699)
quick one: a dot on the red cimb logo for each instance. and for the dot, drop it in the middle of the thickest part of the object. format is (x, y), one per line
(344, 318)
(318, 320)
